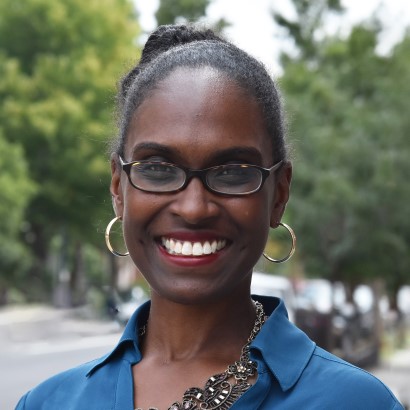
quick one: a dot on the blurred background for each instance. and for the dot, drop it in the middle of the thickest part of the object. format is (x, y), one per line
(344, 71)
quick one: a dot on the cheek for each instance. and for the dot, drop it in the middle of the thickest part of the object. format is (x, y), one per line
(140, 209)
(252, 214)
(253, 229)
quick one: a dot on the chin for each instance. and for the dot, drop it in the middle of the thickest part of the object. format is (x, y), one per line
(203, 291)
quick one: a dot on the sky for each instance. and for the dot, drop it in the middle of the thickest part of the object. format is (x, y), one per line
(252, 27)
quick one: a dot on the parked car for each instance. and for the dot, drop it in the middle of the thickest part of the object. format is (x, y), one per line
(403, 300)
(265, 284)
(125, 309)
(347, 329)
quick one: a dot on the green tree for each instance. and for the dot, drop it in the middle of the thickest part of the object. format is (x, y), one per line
(57, 100)
(16, 190)
(170, 10)
(177, 11)
(305, 29)
(350, 195)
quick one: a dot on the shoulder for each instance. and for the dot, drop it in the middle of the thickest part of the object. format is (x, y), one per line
(58, 389)
(92, 385)
(339, 382)
(303, 375)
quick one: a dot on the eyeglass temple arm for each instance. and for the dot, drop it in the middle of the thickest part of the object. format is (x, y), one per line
(275, 166)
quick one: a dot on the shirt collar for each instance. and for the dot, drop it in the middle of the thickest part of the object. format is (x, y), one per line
(285, 349)
(129, 338)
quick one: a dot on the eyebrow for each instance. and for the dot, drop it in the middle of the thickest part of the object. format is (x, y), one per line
(152, 146)
(220, 155)
(234, 152)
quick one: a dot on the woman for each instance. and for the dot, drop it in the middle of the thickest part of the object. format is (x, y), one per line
(199, 175)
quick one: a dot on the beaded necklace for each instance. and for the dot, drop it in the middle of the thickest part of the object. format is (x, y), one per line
(223, 389)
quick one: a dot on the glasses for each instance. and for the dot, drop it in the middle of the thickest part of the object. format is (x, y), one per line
(229, 179)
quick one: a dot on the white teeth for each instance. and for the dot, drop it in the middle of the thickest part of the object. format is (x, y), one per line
(214, 246)
(197, 249)
(207, 248)
(178, 247)
(187, 248)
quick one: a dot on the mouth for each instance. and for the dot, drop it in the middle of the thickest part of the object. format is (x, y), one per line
(197, 248)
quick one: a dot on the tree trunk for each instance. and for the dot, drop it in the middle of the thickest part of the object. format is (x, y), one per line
(78, 280)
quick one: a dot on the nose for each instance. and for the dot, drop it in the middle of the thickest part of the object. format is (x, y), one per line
(195, 204)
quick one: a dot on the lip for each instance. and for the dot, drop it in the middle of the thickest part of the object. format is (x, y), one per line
(188, 260)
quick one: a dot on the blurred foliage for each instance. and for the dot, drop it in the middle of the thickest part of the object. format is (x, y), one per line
(349, 126)
(170, 10)
(304, 31)
(183, 11)
(59, 63)
(16, 190)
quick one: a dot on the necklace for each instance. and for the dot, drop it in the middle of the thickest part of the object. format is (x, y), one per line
(223, 389)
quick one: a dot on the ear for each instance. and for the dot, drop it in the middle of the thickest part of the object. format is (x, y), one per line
(281, 195)
(115, 186)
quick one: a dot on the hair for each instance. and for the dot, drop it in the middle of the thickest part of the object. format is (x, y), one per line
(175, 46)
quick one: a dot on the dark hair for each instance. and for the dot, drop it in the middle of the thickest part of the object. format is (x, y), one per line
(174, 46)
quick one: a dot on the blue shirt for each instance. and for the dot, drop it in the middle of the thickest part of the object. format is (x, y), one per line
(293, 374)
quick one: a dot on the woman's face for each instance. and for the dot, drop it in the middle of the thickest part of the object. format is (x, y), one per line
(197, 118)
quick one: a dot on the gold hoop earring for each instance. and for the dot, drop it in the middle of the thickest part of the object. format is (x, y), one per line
(107, 238)
(292, 250)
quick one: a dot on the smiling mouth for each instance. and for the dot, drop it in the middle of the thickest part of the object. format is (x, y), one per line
(187, 248)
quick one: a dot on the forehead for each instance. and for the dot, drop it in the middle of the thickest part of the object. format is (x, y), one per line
(197, 112)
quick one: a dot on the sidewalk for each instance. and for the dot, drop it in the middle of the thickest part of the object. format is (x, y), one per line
(39, 341)
(28, 324)
(400, 359)
(395, 373)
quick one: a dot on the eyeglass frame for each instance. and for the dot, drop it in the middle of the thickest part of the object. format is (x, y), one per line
(199, 173)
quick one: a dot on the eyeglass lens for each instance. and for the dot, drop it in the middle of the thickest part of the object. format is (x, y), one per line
(157, 177)
(229, 179)
(234, 179)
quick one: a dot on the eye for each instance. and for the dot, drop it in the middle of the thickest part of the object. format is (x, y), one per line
(155, 169)
(234, 175)
(150, 173)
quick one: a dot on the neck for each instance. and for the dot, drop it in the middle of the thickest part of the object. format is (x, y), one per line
(178, 332)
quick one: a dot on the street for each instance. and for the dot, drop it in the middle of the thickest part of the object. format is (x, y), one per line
(396, 374)
(21, 370)
(36, 345)
(39, 342)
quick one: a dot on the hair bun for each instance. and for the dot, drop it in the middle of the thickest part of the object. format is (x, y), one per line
(162, 39)
(169, 36)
